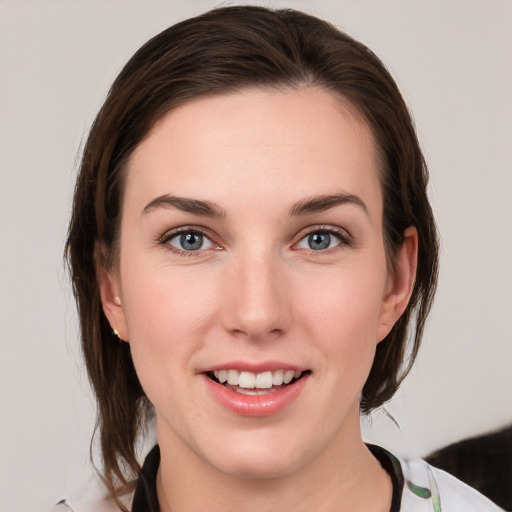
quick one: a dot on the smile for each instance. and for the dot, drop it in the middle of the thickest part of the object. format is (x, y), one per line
(249, 383)
(263, 393)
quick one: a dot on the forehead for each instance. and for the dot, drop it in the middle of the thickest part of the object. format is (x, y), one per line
(283, 143)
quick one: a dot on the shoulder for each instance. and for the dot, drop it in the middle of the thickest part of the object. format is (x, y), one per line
(431, 489)
(92, 497)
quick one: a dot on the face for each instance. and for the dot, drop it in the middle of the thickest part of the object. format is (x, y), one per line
(252, 278)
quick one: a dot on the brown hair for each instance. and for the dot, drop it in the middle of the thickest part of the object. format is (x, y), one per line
(222, 51)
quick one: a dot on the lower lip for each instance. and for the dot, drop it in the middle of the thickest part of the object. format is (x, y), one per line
(256, 405)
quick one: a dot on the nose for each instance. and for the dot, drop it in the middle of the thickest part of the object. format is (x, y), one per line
(257, 302)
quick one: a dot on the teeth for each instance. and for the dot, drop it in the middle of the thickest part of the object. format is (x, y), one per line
(277, 377)
(249, 380)
(264, 380)
(233, 377)
(255, 391)
(288, 376)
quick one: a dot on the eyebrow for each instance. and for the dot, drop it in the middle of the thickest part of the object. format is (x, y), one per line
(325, 202)
(208, 209)
(194, 206)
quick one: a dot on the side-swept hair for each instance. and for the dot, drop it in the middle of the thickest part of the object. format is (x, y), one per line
(221, 51)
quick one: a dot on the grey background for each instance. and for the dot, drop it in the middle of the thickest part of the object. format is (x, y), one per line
(453, 62)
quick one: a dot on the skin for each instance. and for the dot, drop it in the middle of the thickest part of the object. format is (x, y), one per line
(257, 292)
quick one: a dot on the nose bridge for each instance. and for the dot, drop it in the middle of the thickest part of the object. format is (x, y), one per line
(258, 306)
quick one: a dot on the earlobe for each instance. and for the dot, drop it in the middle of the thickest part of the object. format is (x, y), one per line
(400, 283)
(111, 298)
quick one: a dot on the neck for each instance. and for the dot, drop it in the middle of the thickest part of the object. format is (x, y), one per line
(339, 478)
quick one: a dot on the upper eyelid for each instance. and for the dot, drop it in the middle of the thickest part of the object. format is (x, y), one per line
(337, 230)
(171, 233)
(345, 238)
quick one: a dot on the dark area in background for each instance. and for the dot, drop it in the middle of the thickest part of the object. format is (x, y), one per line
(483, 462)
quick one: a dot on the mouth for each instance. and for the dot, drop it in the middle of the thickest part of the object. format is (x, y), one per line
(256, 384)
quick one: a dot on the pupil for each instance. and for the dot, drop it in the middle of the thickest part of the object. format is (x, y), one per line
(319, 241)
(191, 241)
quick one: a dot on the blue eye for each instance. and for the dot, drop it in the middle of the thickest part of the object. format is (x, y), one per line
(319, 241)
(190, 241)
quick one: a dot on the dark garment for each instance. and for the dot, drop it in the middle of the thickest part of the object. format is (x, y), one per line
(484, 463)
(145, 498)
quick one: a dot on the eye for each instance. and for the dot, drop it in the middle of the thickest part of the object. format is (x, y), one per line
(190, 241)
(321, 240)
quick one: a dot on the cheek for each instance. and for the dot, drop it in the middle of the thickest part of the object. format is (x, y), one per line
(159, 295)
(344, 301)
(342, 319)
(168, 313)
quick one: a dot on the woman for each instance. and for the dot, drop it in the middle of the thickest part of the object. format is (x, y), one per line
(251, 243)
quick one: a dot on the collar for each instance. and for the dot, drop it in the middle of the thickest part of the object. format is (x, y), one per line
(145, 497)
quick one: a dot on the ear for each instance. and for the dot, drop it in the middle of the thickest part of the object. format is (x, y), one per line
(400, 283)
(110, 294)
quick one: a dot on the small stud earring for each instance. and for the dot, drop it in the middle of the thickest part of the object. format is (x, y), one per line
(117, 300)
(115, 333)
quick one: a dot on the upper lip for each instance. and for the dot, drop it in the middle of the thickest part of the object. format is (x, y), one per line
(254, 367)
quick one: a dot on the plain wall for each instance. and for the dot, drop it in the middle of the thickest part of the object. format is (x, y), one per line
(453, 62)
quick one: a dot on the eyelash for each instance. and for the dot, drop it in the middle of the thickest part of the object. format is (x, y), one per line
(345, 239)
(169, 235)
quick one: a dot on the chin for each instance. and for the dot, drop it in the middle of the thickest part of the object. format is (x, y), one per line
(258, 470)
(259, 461)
